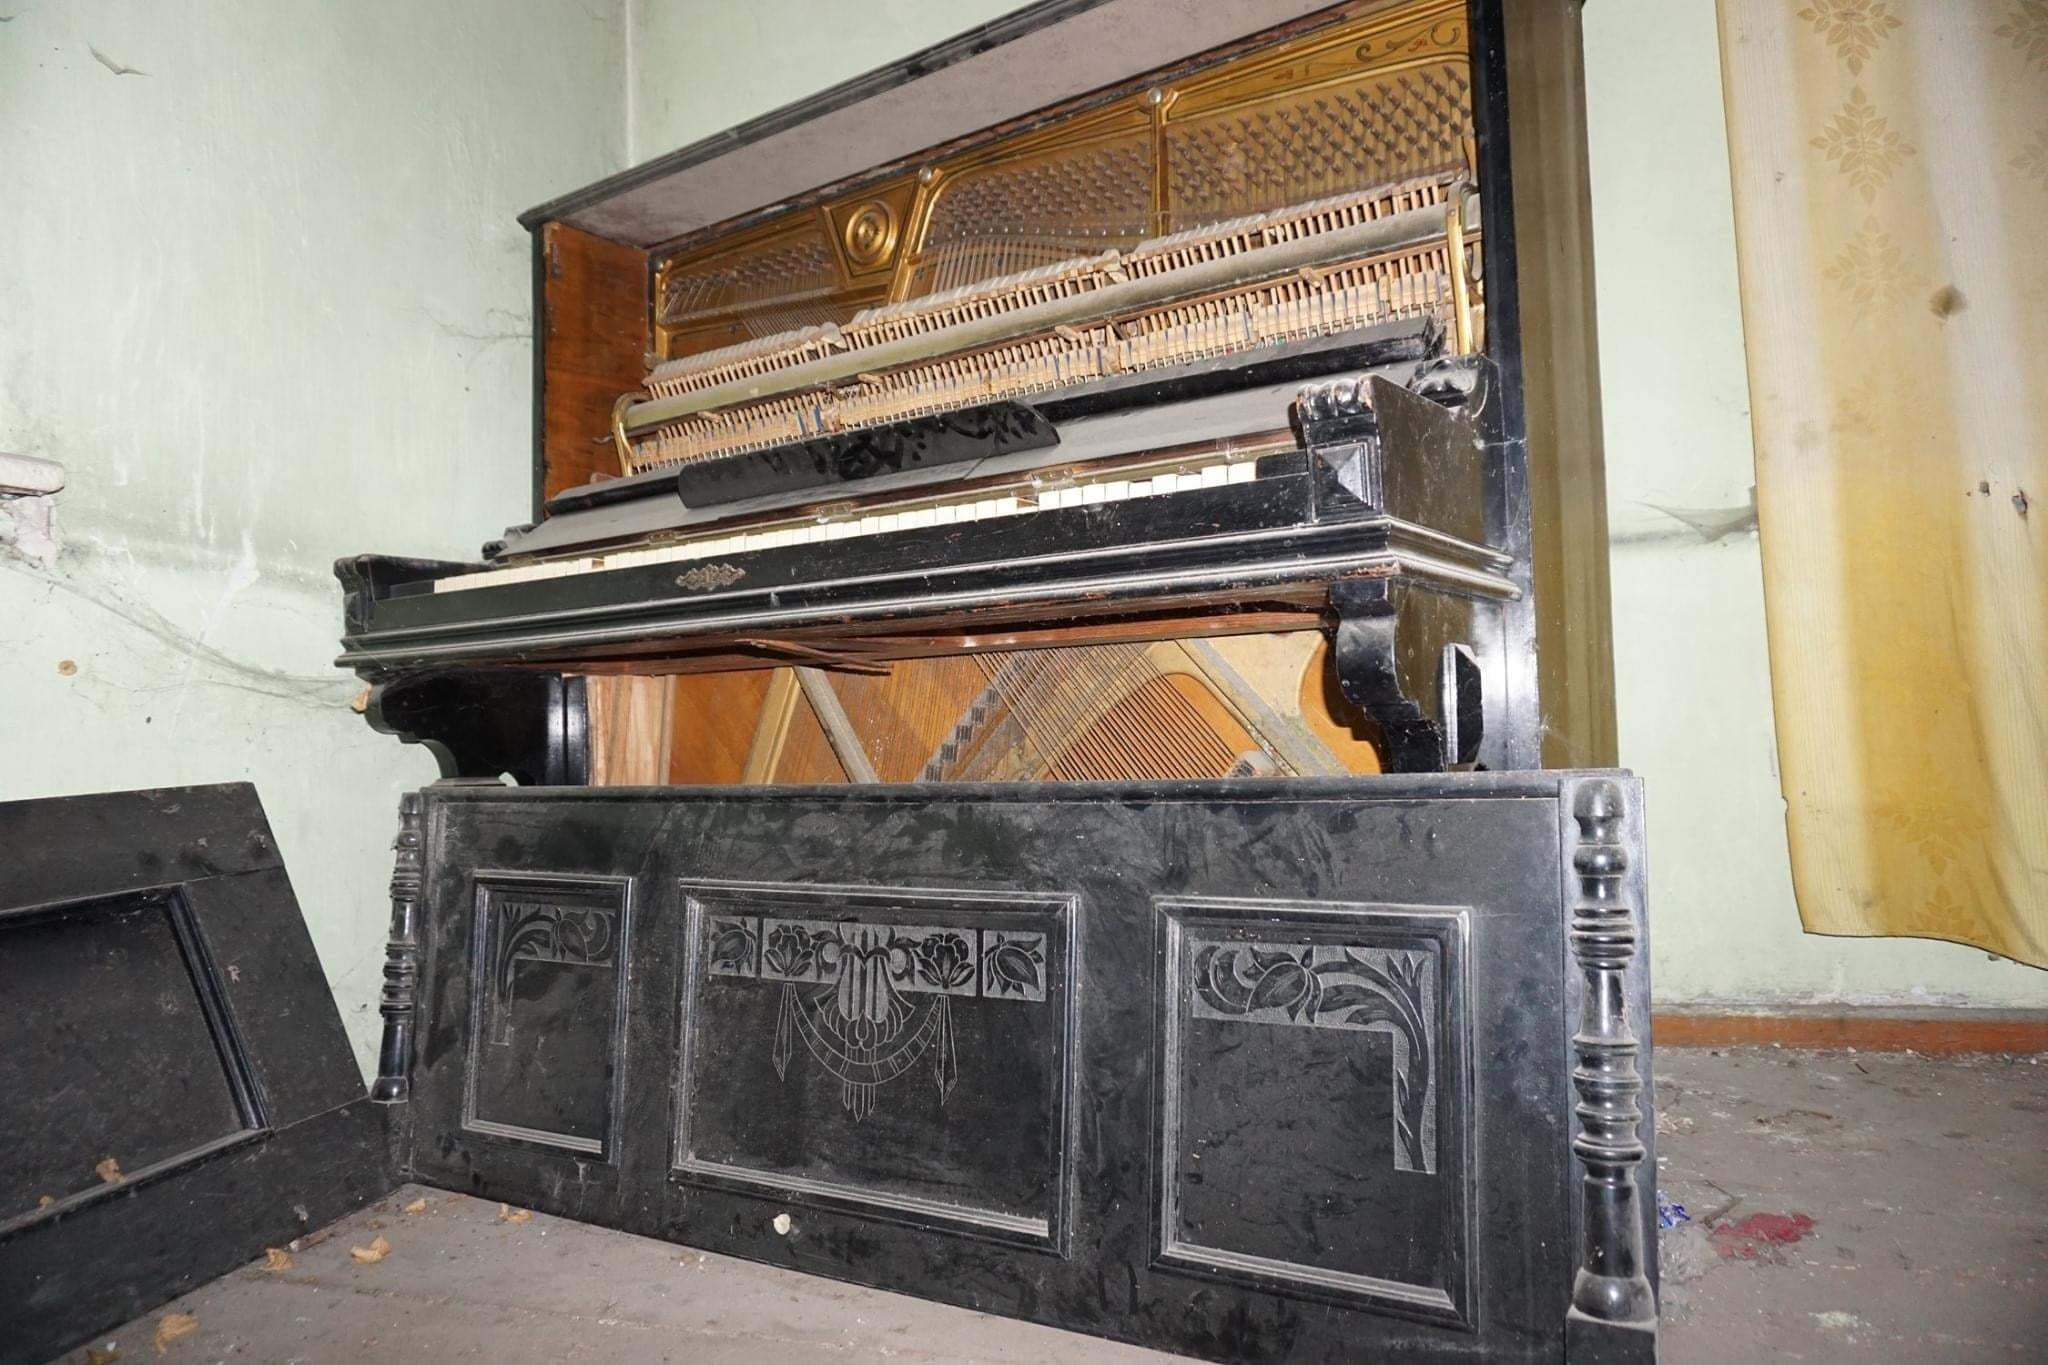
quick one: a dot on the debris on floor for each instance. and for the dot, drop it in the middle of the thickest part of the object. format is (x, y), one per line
(1915, 1232)
(172, 1327)
(376, 1251)
(1670, 1214)
(1758, 1235)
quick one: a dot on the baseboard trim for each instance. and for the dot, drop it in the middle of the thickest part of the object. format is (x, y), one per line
(1931, 1031)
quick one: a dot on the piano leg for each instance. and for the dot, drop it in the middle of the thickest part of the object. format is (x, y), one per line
(480, 724)
(1395, 648)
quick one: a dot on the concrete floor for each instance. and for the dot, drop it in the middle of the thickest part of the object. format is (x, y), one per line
(1843, 1207)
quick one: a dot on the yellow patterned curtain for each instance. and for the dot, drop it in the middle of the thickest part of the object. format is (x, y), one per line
(1890, 162)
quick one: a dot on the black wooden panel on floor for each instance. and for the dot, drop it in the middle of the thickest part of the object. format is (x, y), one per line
(1278, 1071)
(179, 1089)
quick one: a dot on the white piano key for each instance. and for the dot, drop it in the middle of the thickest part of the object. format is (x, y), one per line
(880, 522)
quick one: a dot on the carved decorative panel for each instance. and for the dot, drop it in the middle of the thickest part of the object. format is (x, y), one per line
(1364, 1193)
(896, 1050)
(1241, 1070)
(547, 1009)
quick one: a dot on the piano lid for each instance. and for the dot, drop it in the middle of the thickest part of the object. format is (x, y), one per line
(1010, 68)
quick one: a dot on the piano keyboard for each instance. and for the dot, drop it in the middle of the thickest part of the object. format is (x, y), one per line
(908, 516)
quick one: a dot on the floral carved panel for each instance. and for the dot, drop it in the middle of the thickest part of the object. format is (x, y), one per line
(547, 1009)
(1363, 1007)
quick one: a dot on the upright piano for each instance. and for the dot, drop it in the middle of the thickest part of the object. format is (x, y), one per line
(1048, 741)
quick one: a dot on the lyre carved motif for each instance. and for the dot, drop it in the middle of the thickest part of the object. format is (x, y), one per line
(873, 1002)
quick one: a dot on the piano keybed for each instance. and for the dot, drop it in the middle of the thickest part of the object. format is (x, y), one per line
(822, 526)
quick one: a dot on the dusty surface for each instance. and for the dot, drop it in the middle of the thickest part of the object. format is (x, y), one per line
(1843, 1207)
(1926, 1183)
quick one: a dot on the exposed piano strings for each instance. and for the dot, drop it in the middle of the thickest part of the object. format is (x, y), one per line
(1092, 714)
(1081, 713)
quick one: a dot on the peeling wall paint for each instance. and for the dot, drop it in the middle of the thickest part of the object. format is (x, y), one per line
(262, 292)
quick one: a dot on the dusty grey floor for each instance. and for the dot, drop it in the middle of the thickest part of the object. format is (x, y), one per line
(1843, 1207)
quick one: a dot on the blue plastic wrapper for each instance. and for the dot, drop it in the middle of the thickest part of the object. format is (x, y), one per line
(1670, 1215)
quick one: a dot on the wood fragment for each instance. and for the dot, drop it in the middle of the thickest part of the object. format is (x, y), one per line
(416, 1206)
(109, 1171)
(174, 1327)
(508, 1214)
(376, 1251)
(276, 1258)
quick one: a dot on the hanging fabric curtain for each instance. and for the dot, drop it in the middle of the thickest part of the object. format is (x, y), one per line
(1890, 163)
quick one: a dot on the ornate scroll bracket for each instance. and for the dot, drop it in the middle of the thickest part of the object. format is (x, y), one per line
(480, 723)
(401, 960)
(1614, 1311)
(1370, 652)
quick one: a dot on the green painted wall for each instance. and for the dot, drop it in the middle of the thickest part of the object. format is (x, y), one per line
(697, 67)
(267, 302)
(1692, 672)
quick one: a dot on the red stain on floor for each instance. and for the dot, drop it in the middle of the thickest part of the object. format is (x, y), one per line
(1749, 1238)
